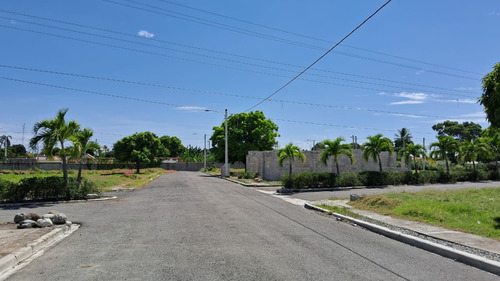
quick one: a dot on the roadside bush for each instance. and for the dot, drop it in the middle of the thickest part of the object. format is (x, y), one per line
(372, 178)
(309, 180)
(44, 189)
(348, 179)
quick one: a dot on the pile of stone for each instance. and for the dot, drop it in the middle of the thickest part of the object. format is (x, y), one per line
(35, 220)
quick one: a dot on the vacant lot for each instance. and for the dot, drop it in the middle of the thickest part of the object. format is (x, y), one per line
(474, 211)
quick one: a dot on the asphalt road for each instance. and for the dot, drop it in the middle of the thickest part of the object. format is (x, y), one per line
(185, 226)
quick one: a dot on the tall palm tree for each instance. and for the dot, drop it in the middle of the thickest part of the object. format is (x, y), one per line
(444, 146)
(375, 145)
(414, 150)
(470, 150)
(53, 131)
(82, 144)
(6, 142)
(403, 138)
(289, 152)
(335, 148)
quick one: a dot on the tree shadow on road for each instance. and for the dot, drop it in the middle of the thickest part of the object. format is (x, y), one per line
(497, 221)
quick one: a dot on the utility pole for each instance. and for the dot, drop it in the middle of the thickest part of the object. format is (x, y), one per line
(205, 152)
(226, 161)
(423, 164)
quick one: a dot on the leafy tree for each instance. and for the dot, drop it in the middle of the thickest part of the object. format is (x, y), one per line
(173, 144)
(443, 147)
(490, 98)
(51, 132)
(465, 131)
(492, 139)
(289, 152)
(246, 132)
(335, 148)
(18, 150)
(375, 145)
(81, 145)
(403, 138)
(139, 148)
(193, 154)
(414, 150)
(470, 150)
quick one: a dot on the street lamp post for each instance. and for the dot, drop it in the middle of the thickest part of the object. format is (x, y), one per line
(205, 152)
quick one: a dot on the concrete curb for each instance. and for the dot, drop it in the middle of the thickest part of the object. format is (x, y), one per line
(445, 251)
(10, 261)
(8, 205)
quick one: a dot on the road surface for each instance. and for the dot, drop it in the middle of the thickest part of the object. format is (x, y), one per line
(187, 226)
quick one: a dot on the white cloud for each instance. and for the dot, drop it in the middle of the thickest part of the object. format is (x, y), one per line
(192, 108)
(145, 34)
(407, 102)
(410, 98)
(468, 101)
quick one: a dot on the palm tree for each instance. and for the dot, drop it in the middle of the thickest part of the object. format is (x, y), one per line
(375, 145)
(444, 146)
(289, 152)
(54, 131)
(413, 150)
(470, 150)
(335, 148)
(403, 138)
(82, 144)
(6, 142)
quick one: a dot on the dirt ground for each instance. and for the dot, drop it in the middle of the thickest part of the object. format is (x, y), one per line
(12, 238)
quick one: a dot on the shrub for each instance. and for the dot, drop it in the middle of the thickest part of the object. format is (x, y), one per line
(348, 179)
(309, 180)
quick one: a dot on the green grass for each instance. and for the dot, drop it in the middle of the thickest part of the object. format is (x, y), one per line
(104, 179)
(340, 210)
(475, 211)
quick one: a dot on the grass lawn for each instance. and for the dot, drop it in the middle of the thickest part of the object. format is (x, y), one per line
(475, 211)
(104, 179)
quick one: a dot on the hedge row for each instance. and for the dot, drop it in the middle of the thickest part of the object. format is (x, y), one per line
(370, 178)
(44, 189)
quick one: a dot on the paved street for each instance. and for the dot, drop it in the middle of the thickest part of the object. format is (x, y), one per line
(186, 226)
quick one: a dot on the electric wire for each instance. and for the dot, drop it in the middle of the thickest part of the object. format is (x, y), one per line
(274, 38)
(176, 105)
(311, 37)
(224, 53)
(217, 93)
(217, 58)
(322, 56)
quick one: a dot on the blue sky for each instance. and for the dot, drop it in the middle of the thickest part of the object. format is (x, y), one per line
(124, 66)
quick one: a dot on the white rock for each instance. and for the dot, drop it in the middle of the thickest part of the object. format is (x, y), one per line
(91, 196)
(69, 223)
(60, 218)
(44, 223)
(48, 216)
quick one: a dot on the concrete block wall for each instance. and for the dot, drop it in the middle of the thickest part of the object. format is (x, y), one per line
(266, 164)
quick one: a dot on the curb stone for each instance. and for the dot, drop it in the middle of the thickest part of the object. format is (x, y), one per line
(10, 261)
(445, 251)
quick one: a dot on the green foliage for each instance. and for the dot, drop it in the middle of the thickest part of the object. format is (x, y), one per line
(465, 131)
(289, 152)
(348, 179)
(44, 189)
(173, 145)
(375, 145)
(246, 132)
(403, 138)
(309, 180)
(335, 149)
(490, 98)
(144, 147)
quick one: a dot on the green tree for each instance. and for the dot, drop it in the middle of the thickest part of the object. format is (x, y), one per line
(375, 145)
(403, 138)
(246, 132)
(81, 145)
(490, 98)
(173, 144)
(465, 131)
(413, 150)
(52, 132)
(18, 150)
(442, 148)
(492, 139)
(139, 148)
(289, 152)
(470, 150)
(336, 148)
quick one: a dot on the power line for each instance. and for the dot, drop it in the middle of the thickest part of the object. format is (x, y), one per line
(282, 40)
(206, 56)
(217, 93)
(311, 37)
(225, 53)
(174, 105)
(322, 56)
